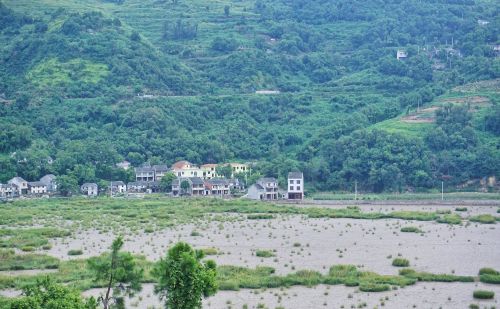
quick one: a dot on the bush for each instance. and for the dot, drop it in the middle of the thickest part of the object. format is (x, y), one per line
(450, 219)
(28, 248)
(260, 216)
(486, 219)
(488, 271)
(482, 294)
(399, 262)
(488, 278)
(411, 229)
(264, 253)
(461, 209)
(210, 251)
(195, 233)
(373, 287)
(75, 252)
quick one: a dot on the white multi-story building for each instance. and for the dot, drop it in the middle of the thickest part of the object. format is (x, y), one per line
(295, 186)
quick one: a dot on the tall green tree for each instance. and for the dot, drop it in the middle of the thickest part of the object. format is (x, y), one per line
(166, 182)
(118, 271)
(183, 279)
(45, 294)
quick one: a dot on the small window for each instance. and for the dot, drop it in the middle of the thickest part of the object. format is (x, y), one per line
(291, 181)
(298, 188)
(291, 188)
(298, 182)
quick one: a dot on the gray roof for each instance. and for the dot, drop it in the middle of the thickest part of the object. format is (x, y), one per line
(18, 179)
(161, 168)
(137, 183)
(268, 179)
(176, 182)
(196, 180)
(259, 187)
(144, 169)
(218, 181)
(48, 178)
(36, 184)
(117, 183)
(295, 175)
(8, 185)
(89, 184)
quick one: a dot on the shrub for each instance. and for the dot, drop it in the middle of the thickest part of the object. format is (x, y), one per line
(473, 306)
(75, 252)
(486, 219)
(264, 253)
(450, 219)
(399, 262)
(260, 216)
(482, 294)
(28, 248)
(373, 287)
(411, 229)
(210, 251)
(195, 233)
(461, 209)
(488, 278)
(488, 271)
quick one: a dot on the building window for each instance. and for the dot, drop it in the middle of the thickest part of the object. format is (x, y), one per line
(298, 182)
(291, 188)
(291, 181)
(298, 188)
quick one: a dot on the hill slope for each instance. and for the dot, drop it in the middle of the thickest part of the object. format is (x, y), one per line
(73, 75)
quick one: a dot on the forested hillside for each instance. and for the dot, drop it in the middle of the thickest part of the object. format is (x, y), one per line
(90, 83)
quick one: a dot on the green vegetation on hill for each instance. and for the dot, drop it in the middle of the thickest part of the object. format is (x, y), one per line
(90, 83)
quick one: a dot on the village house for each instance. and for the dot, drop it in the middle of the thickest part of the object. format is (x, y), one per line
(264, 189)
(37, 188)
(196, 186)
(186, 169)
(401, 54)
(217, 187)
(138, 187)
(123, 165)
(144, 173)
(160, 171)
(49, 181)
(21, 184)
(295, 186)
(89, 189)
(118, 187)
(209, 171)
(8, 190)
(238, 168)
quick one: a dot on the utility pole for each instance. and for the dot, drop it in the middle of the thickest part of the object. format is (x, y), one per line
(355, 190)
(442, 190)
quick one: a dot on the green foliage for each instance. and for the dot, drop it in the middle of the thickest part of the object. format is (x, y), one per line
(166, 182)
(183, 279)
(48, 295)
(264, 253)
(91, 66)
(75, 252)
(260, 216)
(411, 229)
(118, 271)
(485, 218)
(428, 277)
(489, 275)
(450, 219)
(399, 262)
(12, 261)
(461, 209)
(482, 294)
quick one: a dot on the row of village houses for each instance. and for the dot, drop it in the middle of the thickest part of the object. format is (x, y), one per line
(192, 180)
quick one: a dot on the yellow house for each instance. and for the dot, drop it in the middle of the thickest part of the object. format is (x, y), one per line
(209, 171)
(239, 168)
